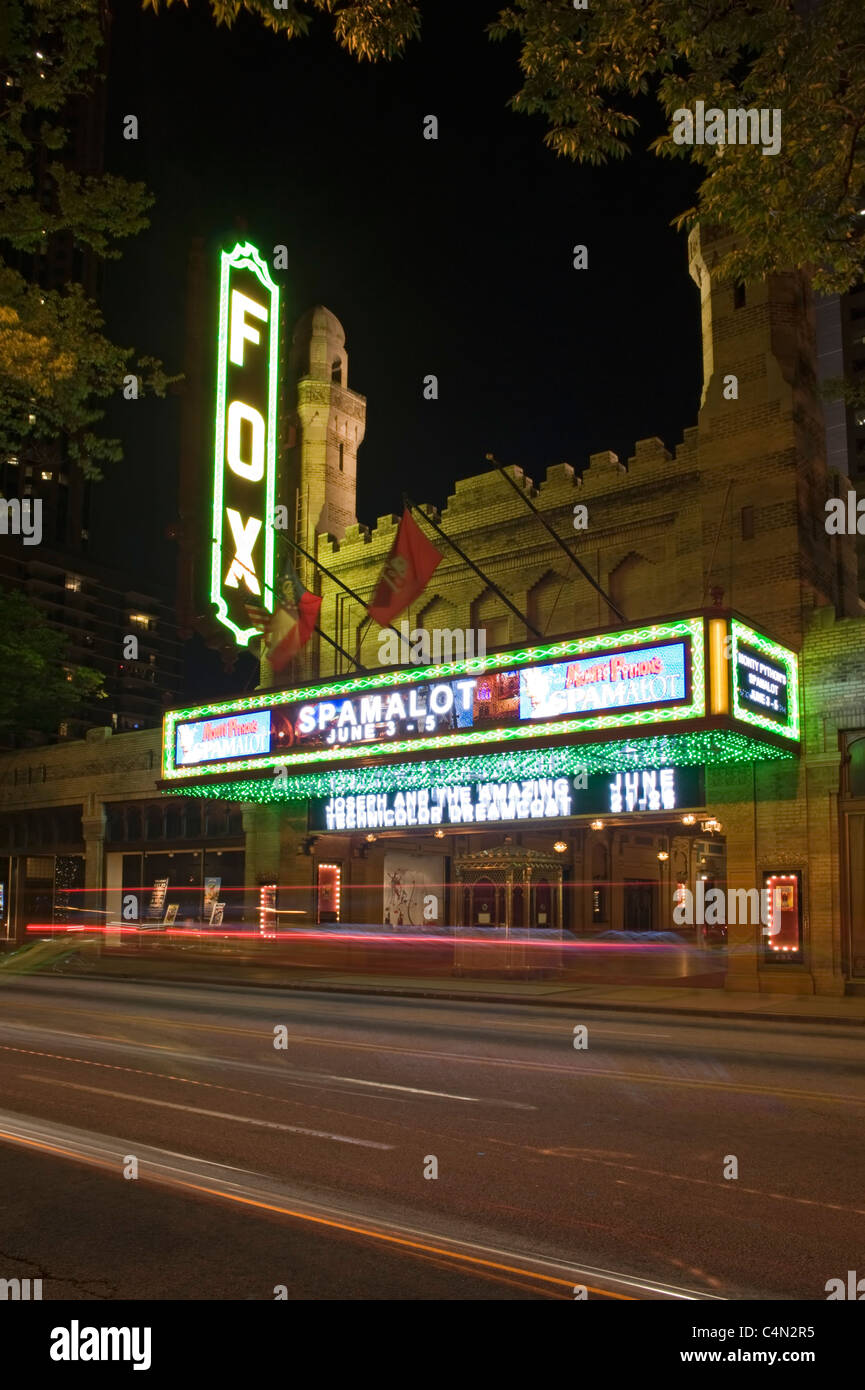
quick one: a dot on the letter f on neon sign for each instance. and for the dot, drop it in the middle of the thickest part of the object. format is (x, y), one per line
(241, 305)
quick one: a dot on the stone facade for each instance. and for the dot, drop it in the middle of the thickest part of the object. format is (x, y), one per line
(737, 508)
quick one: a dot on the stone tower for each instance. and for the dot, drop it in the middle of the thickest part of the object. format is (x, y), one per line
(762, 450)
(326, 424)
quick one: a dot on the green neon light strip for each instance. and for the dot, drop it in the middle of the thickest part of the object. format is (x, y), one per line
(715, 747)
(783, 657)
(691, 627)
(244, 257)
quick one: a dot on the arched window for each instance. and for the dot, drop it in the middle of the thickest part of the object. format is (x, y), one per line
(336, 371)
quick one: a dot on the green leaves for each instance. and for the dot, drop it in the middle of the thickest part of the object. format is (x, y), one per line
(802, 207)
(39, 688)
(57, 367)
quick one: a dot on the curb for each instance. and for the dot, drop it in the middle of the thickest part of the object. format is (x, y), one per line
(481, 998)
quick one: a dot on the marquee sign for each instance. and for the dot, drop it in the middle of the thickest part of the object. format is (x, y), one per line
(709, 673)
(534, 799)
(244, 480)
(617, 680)
(765, 688)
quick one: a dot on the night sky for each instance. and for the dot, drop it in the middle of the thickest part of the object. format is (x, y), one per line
(451, 257)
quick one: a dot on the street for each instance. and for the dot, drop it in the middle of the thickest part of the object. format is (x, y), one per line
(301, 1168)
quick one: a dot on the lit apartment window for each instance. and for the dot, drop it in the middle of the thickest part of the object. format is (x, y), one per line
(13, 461)
(142, 620)
(860, 418)
(73, 583)
(47, 477)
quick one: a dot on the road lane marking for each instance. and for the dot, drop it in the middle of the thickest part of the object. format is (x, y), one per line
(551, 1028)
(213, 1114)
(369, 1233)
(417, 1091)
(512, 1063)
(589, 1156)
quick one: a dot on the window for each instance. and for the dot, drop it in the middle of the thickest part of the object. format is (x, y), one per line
(341, 450)
(747, 523)
(739, 296)
(336, 371)
(142, 620)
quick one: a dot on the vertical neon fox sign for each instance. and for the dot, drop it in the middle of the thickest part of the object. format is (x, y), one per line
(244, 479)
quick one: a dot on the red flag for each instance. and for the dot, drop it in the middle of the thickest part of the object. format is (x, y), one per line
(292, 622)
(407, 570)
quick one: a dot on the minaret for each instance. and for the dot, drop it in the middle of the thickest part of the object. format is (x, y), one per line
(326, 424)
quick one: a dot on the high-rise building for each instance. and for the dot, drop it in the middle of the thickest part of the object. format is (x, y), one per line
(99, 611)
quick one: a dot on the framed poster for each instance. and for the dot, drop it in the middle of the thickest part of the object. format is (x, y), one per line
(216, 914)
(170, 915)
(211, 892)
(157, 897)
(782, 934)
(413, 889)
(329, 878)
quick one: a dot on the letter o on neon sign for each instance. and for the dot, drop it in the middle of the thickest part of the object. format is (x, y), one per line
(253, 471)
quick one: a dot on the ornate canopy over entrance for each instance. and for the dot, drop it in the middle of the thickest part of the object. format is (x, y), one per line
(509, 886)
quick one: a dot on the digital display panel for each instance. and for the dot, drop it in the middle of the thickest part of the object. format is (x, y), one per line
(761, 683)
(535, 799)
(654, 675)
(765, 682)
(217, 740)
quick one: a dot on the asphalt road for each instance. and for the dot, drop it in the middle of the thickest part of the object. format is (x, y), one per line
(303, 1167)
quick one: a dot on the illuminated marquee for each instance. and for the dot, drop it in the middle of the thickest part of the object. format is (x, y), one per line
(650, 674)
(694, 682)
(765, 684)
(244, 482)
(532, 799)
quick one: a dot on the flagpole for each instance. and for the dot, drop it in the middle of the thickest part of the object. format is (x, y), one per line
(342, 651)
(571, 556)
(512, 606)
(331, 576)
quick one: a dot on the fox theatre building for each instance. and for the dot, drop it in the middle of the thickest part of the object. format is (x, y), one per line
(576, 785)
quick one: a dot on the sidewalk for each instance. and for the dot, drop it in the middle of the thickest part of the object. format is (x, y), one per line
(654, 998)
(706, 1003)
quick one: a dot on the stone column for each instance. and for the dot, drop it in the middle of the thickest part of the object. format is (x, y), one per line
(93, 833)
